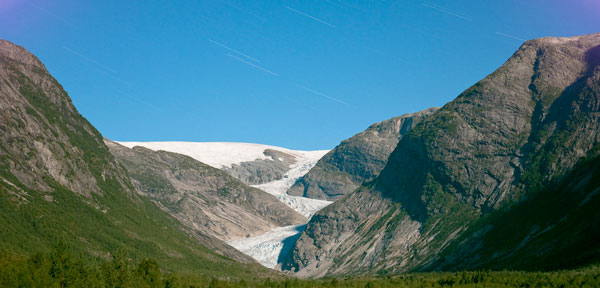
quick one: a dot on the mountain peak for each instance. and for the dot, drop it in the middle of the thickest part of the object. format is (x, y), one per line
(19, 54)
(595, 37)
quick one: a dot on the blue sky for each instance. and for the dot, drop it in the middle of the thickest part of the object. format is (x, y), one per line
(297, 74)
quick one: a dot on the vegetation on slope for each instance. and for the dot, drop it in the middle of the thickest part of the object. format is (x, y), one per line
(61, 267)
(141, 230)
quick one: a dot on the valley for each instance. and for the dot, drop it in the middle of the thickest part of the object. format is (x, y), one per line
(496, 185)
(269, 247)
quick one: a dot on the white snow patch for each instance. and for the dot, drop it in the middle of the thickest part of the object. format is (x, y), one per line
(221, 154)
(268, 247)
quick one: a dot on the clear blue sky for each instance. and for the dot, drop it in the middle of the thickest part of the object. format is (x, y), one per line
(298, 74)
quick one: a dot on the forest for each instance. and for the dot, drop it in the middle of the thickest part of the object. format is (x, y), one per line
(61, 267)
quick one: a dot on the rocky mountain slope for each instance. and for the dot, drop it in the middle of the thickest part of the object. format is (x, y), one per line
(472, 168)
(209, 200)
(59, 180)
(201, 197)
(564, 234)
(253, 164)
(233, 156)
(356, 160)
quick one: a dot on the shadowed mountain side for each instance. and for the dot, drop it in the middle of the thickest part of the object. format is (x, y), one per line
(563, 232)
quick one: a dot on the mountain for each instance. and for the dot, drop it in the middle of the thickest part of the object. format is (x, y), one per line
(208, 199)
(58, 180)
(564, 234)
(513, 157)
(251, 163)
(356, 160)
(202, 197)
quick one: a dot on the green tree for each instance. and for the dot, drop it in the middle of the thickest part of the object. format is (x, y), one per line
(149, 272)
(39, 268)
(62, 264)
(118, 272)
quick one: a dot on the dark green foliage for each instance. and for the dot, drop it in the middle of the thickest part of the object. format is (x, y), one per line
(62, 265)
(61, 268)
(119, 272)
(149, 271)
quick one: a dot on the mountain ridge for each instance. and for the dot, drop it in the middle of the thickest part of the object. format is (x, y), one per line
(252, 163)
(198, 195)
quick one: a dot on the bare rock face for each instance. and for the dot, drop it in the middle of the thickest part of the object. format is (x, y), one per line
(357, 159)
(509, 138)
(201, 197)
(42, 133)
(261, 171)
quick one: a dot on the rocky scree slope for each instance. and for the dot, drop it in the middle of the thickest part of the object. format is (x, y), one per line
(59, 180)
(201, 197)
(356, 160)
(509, 138)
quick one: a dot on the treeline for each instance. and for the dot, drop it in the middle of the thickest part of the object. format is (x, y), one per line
(62, 268)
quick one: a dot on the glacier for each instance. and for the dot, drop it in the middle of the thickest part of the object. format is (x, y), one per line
(271, 247)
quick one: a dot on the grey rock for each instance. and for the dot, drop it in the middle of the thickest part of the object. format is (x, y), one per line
(356, 160)
(261, 171)
(40, 129)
